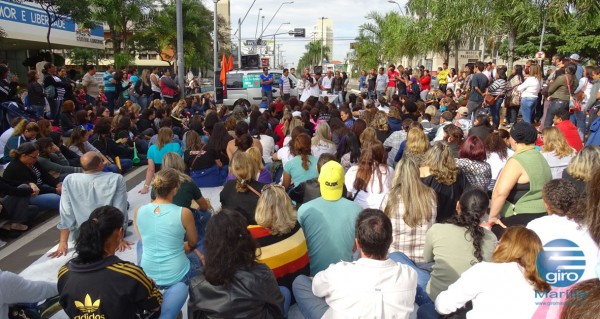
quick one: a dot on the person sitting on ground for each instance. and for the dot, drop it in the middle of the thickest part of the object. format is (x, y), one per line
(415, 146)
(103, 141)
(328, 221)
(581, 166)
(453, 136)
(22, 290)
(481, 127)
(241, 133)
(71, 156)
(439, 171)
(557, 152)
(471, 161)
(303, 166)
(322, 143)
(22, 133)
(242, 193)
(167, 232)
(372, 286)
(233, 284)
(517, 196)
(164, 122)
(82, 193)
(370, 181)
(519, 282)
(279, 236)
(99, 283)
(79, 144)
(569, 130)
(411, 206)
(156, 152)
(52, 160)
(566, 220)
(67, 118)
(24, 169)
(393, 142)
(463, 120)
(348, 152)
(498, 154)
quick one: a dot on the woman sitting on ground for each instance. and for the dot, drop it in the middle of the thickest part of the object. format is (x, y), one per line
(582, 165)
(497, 154)
(518, 284)
(25, 169)
(52, 160)
(241, 129)
(198, 156)
(303, 166)
(132, 292)
(411, 206)
(471, 161)
(218, 140)
(415, 146)
(233, 284)
(156, 152)
(439, 172)
(23, 132)
(167, 232)
(79, 144)
(348, 151)
(556, 151)
(371, 180)
(67, 117)
(322, 142)
(264, 176)
(279, 236)
(481, 127)
(242, 193)
(103, 141)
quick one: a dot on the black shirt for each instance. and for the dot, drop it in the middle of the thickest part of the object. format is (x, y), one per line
(447, 195)
(201, 159)
(243, 202)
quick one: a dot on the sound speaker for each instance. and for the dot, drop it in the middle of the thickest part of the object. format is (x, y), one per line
(250, 61)
(318, 69)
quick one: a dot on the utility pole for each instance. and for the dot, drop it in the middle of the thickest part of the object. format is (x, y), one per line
(215, 43)
(322, 41)
(180, 66)
(240, 44)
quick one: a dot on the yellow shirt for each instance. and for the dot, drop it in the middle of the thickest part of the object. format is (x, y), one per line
(443, 76)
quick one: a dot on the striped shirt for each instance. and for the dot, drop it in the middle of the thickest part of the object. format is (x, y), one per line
(286, 255)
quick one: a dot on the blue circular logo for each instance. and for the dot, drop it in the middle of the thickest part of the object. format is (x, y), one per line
(561, 263)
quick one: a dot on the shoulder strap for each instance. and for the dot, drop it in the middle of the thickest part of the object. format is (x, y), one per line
(568, 84)
(195, 158)
(253, 190)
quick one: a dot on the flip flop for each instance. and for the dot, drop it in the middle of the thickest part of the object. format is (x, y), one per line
(18, 227)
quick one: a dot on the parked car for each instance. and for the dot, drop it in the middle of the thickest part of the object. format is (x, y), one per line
(243, 85)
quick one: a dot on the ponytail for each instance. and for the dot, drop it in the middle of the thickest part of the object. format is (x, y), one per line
(305, 162)
(473, 204)
(94, 232)
(20, 127)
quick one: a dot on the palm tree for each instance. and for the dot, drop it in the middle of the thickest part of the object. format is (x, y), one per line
(312, 55)
(122, 17)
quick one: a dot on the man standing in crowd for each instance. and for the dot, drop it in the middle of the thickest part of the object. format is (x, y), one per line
(266, 83)
(575, 59)
(393, 76)
(371, 84)
(91, 87)
(315, 87)
(327, 82)
(381, 82)
(84, 192)
(285, 85)
(442, 77)
(109, 88)
(168, 87)
(373, 286)
(155, 84)
(479, 84)
(328, 221)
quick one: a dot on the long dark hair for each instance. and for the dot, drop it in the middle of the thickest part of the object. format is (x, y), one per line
(94, 232)
(518, 72)
(349, 144)
(473, 205)
(218, 138)
(369, 166)
(228, 246)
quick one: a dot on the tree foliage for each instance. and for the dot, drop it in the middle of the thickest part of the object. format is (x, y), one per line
(85, 56)
(312, 55)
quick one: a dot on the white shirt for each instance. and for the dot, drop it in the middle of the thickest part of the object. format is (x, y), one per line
(284, 155)
(286, 84)
(498, 290)
(557, 165)
(530, 87)
(268, 146)
(155, 88)
(497, 163)
(553, 227)
(314, 90)
(5, 136)
(326, 82)
(377, 289)
(373, 197)
(381, 82)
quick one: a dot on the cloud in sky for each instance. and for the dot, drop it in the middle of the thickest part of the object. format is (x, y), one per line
(347, 16)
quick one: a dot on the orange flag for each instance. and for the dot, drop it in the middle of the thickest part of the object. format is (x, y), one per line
(224, 69)
(230, 62)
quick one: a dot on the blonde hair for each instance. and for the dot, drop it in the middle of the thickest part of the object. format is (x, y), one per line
(322, 134)
(25, 126)
(165, 136)
(521, 245)
(416, 141)
(367, 137)
(441, 163)
(244, 169)
(165, 181)
(380, 121)
(173, 160)
(584, 163)
(254, 153)
(178, 108)
(274, 210)
(555, 141)
(157, 104)
(135, 110)
(144, 77)
(535, 71)
(417, 198)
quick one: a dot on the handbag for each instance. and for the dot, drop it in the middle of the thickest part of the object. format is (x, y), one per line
(574, 104)
(580, 96)
(489, 99)
(208, 177)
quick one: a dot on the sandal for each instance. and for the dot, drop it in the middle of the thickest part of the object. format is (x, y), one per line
(18, 227)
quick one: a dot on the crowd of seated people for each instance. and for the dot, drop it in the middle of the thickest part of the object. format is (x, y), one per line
(312, 211)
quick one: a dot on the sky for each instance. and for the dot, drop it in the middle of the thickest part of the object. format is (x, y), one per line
(347, 16)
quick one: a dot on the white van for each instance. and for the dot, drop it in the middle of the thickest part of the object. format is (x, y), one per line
(244, 85)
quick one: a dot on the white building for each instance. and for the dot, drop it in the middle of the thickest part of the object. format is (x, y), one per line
(323, 31)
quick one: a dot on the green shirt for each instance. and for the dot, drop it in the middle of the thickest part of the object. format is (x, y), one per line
(188, 192)
(452, 251)
(329, 230)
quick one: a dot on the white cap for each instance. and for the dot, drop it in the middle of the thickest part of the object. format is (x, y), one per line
(296, 114)
(574, 56)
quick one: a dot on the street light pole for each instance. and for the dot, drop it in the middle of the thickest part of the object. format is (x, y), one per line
(180, 65)
(322, 42)
(215, 43)
(275, 45)
(396, 3)
(240, 21)
(269, 23)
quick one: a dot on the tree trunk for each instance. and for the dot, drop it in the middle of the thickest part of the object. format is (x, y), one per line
(50, 22)
(446, 52)
(456, 46)
(512, 38)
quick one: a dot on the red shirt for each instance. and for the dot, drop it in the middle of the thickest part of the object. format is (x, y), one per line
(392, 79)
(425, 82)
(571, 134)
(279, 131)
(279, 107)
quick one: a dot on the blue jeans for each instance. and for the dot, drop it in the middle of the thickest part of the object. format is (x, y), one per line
(268, 95)
(90, 99)
(174, 298)
(311, 306)
(379, 93)
(555, 105)
(201, 219)
(126, 164)
(46, 201)
(496, 112)
(143, 101)
(527, 107)
(287, 299)
(578, 118)
(110, 99)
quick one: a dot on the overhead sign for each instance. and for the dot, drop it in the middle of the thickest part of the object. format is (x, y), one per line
(299, 33)
(540, 55)
(255, 42)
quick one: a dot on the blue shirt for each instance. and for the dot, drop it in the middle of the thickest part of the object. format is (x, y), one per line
(268, 77)
(157, 155)
(108, 85)
(329, 230)
(298, 173)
